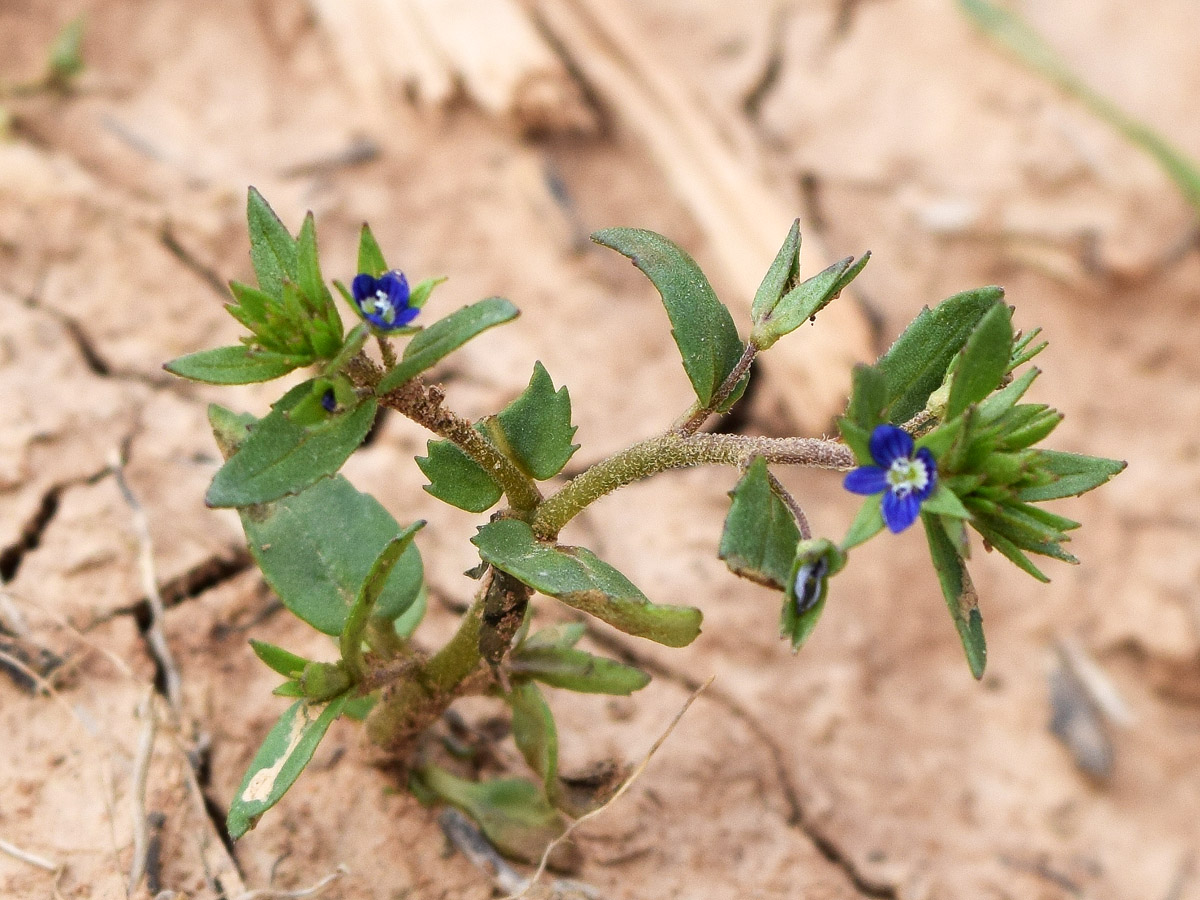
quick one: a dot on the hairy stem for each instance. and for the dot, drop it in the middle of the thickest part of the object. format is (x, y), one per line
(422, 403)
(693, 423)
(674, 451)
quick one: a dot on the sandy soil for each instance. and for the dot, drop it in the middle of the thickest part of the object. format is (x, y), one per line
(871, 765)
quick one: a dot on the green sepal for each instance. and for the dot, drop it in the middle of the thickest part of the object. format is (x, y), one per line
(281, 458)
(232, 365)
(943, 501)
(1073, 474)
(814, 563)
(702, 327)
(915, 366)
(537, 427)
(867, 523)
(322, 681)
(535, 734)
(961, 599)
(419, 295)
(370, 257)
(575, 670)
(580, 579)
(272, 247)
(290, 689)
(325, 323)
(783, 275)
(984, 360)
(287, 749)
(760, 534)
(804, 301)
(286, 663)
(445, 336)
(457, 479)
(514, 814)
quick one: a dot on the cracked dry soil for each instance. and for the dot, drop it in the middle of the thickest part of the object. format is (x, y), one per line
(868, 766)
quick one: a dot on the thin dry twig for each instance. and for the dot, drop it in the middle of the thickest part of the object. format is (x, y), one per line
(25, 856)
(628, 783)
(155, 638)
(141, 769)
(272, 894)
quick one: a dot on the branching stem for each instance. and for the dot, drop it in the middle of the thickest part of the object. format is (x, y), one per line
(697, 419)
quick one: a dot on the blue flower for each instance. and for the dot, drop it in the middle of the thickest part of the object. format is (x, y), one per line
(383, 301)
(906, 479)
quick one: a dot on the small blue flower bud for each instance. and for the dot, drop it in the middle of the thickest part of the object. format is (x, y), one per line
(384, 301)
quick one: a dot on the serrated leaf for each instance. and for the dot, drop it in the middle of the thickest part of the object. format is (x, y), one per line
(534, 733)
(580, 579)
(445, 336)
(984, 361)
(701, 325)
(457, 479)
(575, 670)
(805, 300)
(280, 458)
(231, 365)
(760, 535)
(286, 663)
(537, 427)
(916, 364)
(370, 257)
(288, 748)
(1075, 474)
(961, 599)
(513, 813)
(272, 247)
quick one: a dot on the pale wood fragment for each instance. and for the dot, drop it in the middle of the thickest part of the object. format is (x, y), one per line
(744, 215)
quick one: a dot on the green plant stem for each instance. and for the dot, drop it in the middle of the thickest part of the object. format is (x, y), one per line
(674, 451)
(693, 423)
(410, 706)
(422, 403)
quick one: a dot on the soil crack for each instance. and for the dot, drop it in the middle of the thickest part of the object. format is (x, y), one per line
(797, 817)
(35, 527)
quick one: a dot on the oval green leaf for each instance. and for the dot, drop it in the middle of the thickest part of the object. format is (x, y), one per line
(231, 365)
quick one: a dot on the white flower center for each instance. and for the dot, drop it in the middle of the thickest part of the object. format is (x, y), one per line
(906, 475)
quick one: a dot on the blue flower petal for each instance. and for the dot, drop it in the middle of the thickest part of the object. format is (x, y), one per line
(866, 480)
(362, 286)
(406, 315)
(900, 512)
(396, 286)
(925, 456)
(889, 443)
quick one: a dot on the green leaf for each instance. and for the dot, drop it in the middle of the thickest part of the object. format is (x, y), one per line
(370, 257)
(701, 325)
(1074, 474)
(580, 579)
(916, 364)
(760, 536)
(288, 748)
(535, 734)
(445, 336)
(567, 635)
(366, 604)
(286, 663)
(312, 285)
(513, 813)
(272, 247)
(868, 395)
(316, 548)
(231, 365)
(781, 277)
(945, 502)
(281, 457)
(537, 427)
(867, 524)
(575, 670)
(805, 300)
(984, 361)
(457, 479)
(961, 599)
(406, 623)
(229, 428)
